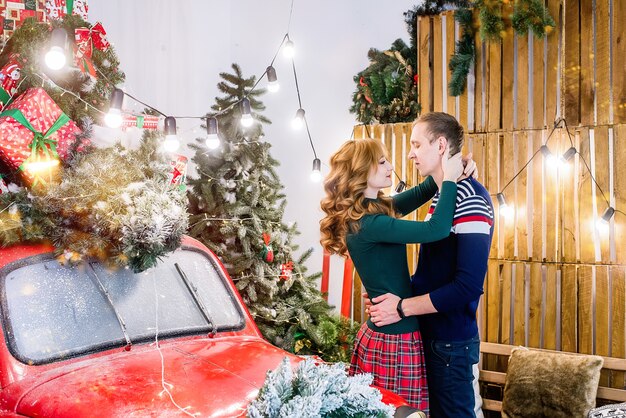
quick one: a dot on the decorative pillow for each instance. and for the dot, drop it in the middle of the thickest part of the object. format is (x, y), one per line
(617, 410)
(551, 385)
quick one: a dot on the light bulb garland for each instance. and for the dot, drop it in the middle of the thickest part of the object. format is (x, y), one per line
(114, 117)
(507, 210)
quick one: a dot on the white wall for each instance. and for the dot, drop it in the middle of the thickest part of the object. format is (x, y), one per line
(172, 52)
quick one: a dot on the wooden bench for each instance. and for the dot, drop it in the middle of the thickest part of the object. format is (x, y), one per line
(498, 378)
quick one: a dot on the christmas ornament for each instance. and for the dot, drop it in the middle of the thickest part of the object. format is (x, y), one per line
(34, 129)
(140, 121)
(178, 172)
(9, 75)
(85, 40)
(267, 252)
(286, 270)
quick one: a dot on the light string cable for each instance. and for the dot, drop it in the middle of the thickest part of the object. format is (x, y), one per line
(569, 153)
(165, 385)
(525, 165)
(569, 135)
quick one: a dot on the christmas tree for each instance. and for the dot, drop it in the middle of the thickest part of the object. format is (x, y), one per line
(237, 206)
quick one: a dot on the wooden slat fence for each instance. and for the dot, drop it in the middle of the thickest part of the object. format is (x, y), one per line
(554, 280)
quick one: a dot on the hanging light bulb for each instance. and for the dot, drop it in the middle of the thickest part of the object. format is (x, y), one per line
(316, 174)
(298, 120)
(171, 142)
(113, 118)
(549, 157)
(602, 223)
(505, 210)
(272, 80)
(246, 114)
(212, 140)
(400, 186)
(55, 57)
(567, 156)
(289, 49)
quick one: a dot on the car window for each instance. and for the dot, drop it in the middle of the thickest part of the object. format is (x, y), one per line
(51, 311)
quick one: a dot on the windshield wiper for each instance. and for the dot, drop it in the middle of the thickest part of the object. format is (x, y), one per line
(193, 291)
(107, 296)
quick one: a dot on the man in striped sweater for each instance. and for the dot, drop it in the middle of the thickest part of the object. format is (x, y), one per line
(449, 278)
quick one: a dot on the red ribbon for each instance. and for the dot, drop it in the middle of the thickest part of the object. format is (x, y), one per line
(86, 40)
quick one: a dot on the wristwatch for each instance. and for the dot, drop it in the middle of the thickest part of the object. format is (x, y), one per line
(399, 309)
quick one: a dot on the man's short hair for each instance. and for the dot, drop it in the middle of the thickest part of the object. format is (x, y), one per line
(442, 124)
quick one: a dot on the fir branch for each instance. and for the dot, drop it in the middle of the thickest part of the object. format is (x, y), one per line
(463, 57)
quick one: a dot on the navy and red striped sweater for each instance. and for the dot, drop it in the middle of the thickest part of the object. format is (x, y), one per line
(453, 270)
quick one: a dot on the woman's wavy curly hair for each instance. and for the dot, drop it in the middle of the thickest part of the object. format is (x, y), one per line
(344, 204)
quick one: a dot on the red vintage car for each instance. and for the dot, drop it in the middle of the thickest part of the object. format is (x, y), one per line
(87, 341)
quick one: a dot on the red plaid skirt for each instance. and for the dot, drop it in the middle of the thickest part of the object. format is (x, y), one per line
(396, 361)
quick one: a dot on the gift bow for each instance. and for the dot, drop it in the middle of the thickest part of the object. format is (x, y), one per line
(86, 39)
(41, 141)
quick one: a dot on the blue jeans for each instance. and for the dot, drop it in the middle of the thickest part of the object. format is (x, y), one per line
(450, 371)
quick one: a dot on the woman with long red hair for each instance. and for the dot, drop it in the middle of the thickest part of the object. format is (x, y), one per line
(362, 222)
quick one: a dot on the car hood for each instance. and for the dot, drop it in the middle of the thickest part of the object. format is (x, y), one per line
(208, 378)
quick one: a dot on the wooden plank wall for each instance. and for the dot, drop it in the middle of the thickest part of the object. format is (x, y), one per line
(554, 280)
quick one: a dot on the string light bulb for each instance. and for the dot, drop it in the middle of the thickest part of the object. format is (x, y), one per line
(298, 120)
(272, 80)
(171, 142)
(568, 155)
(400, 186)
(55, 57)
(602, 223)
(549, 157)
(212, 140)
(289, 49)
(113, 119)
(505, 210)
(316, 174)
(246, 114)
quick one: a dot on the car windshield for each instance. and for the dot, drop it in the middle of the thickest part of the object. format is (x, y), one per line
(53, 312)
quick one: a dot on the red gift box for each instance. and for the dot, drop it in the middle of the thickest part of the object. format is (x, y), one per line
(33, 126)
(56, 9)
(13, 13)
(140, 121)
